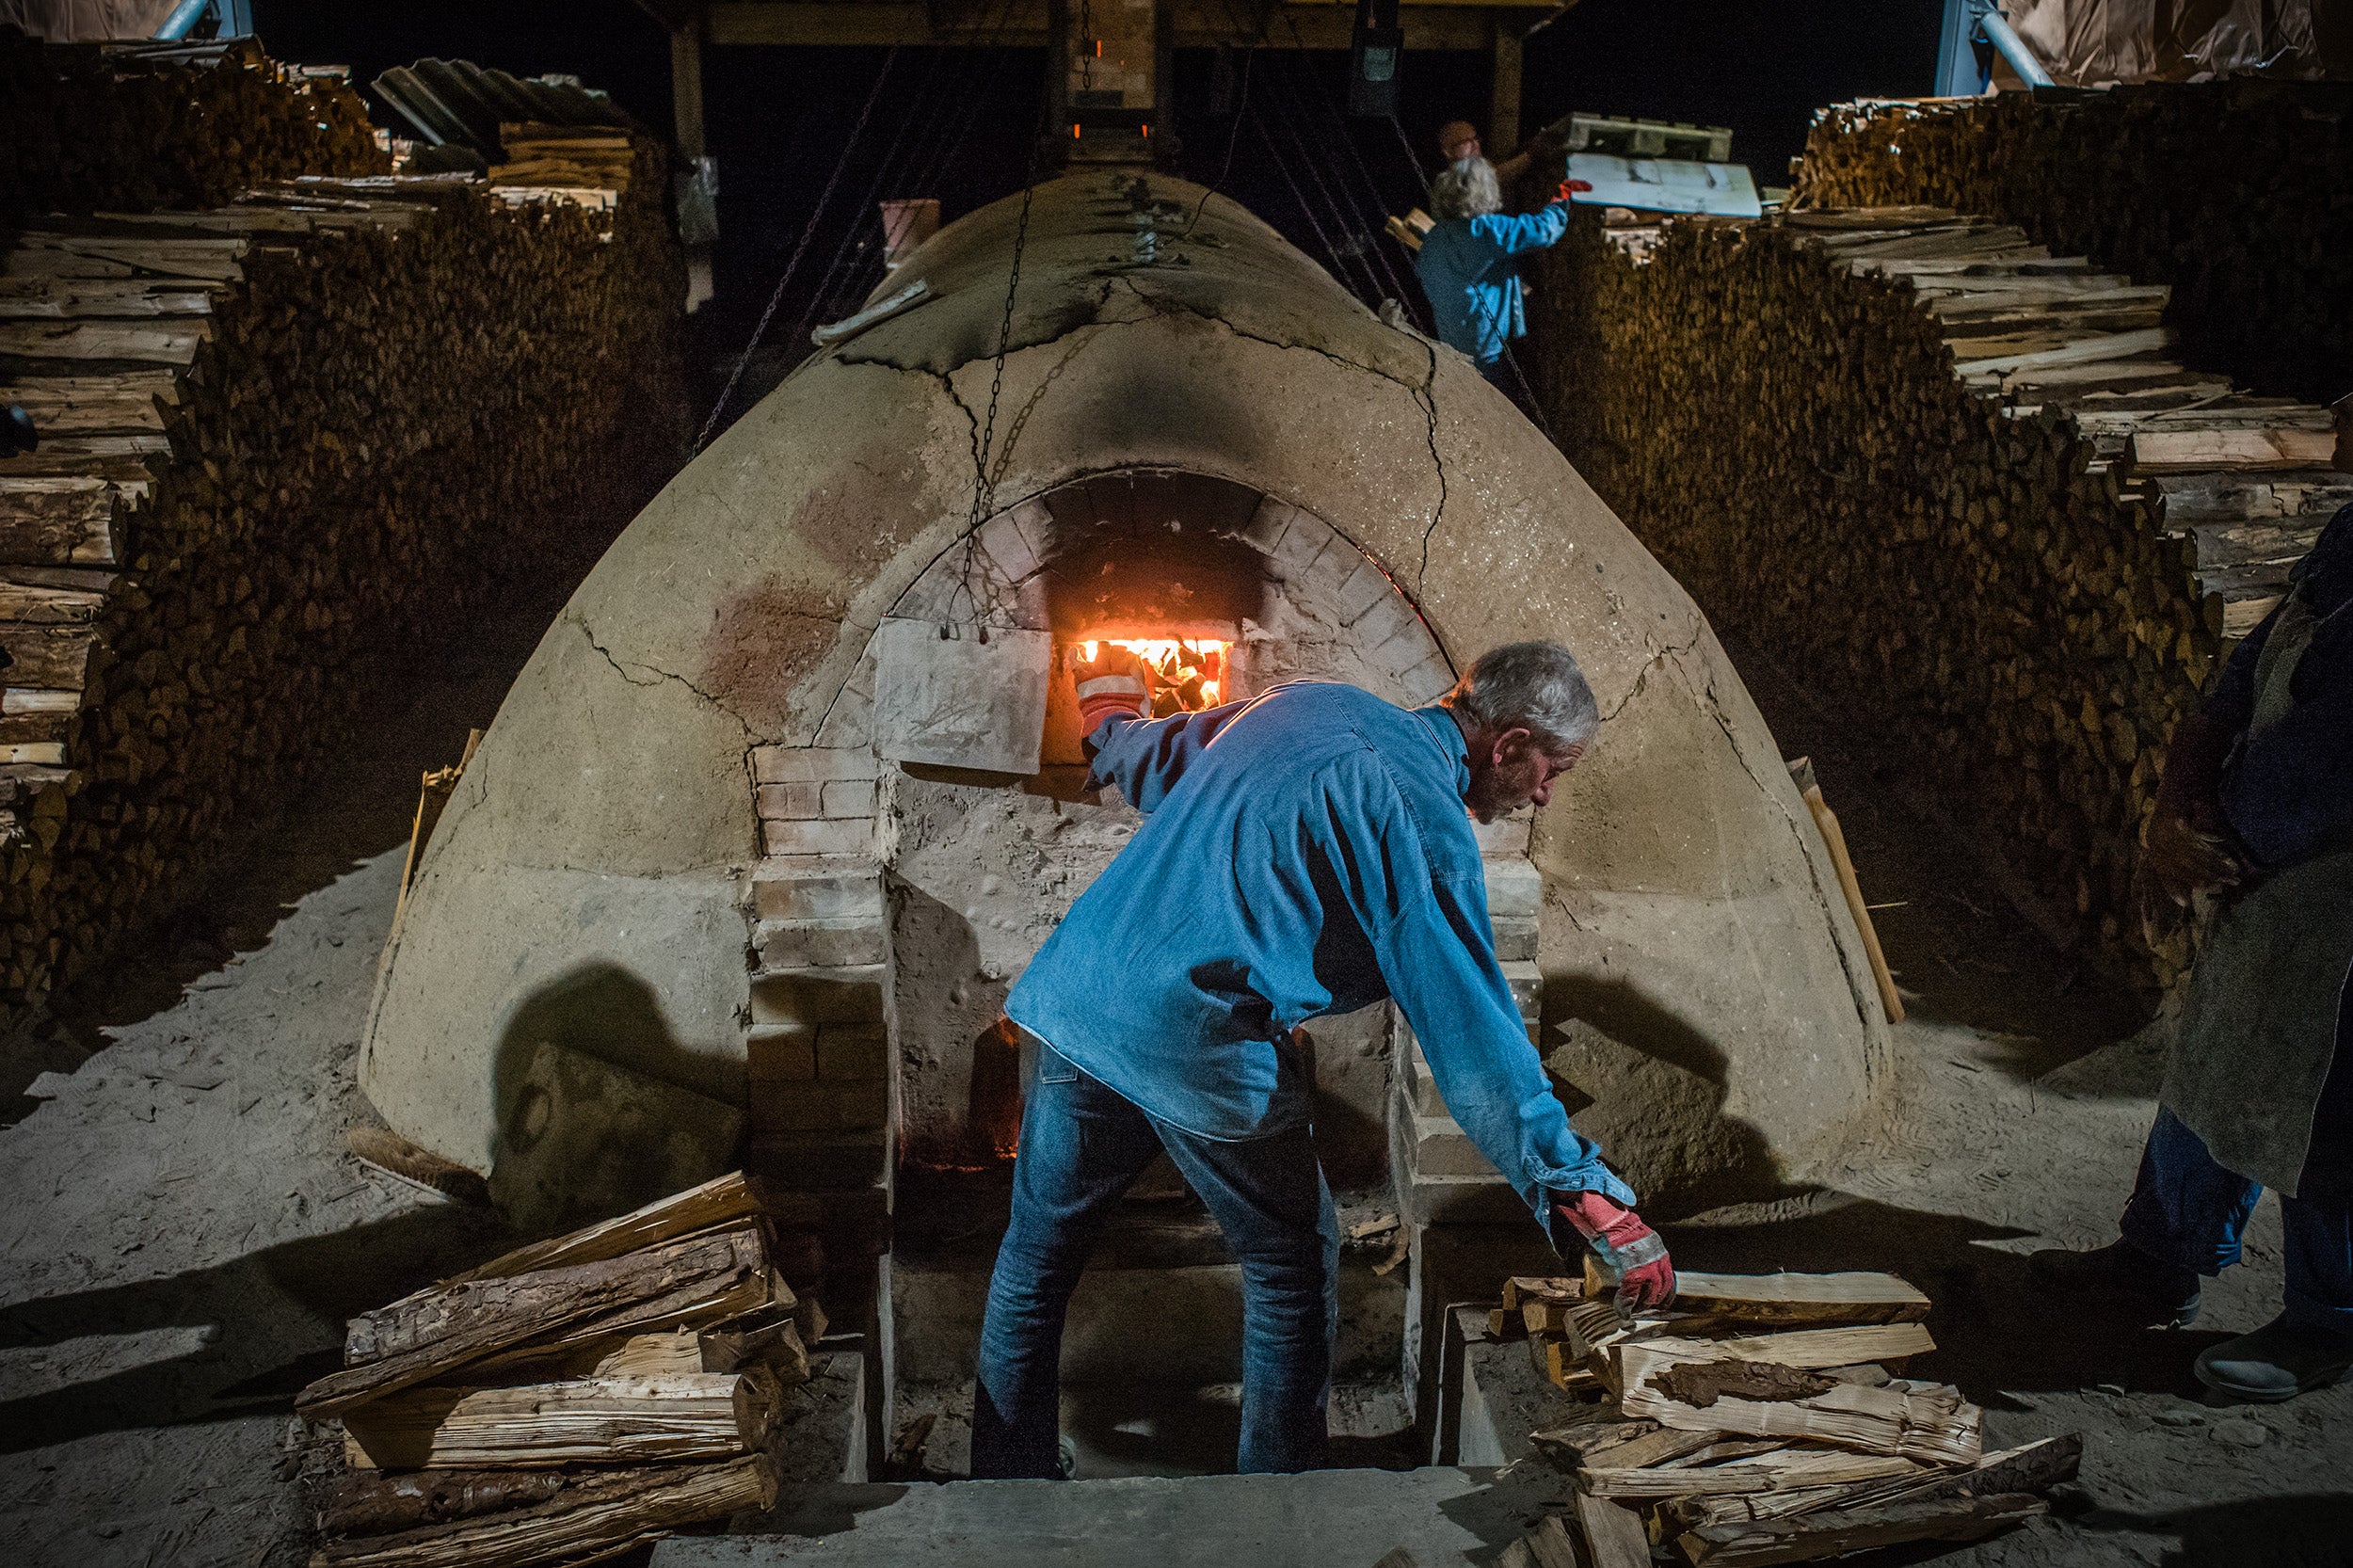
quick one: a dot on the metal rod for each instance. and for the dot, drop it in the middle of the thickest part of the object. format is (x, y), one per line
(2005, 39)
(183, 17)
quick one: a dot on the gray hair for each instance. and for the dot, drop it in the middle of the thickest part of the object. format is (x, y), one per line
(1465, 189)
(1532, 686)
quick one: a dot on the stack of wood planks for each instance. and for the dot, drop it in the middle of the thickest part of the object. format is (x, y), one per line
(573, 160)
(283, 442)
(1959, 485)
(1761, 1420)
(572, 1398)
(135, 127)
(2239, 193)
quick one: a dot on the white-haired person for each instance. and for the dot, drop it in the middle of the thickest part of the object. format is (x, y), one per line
(1469, 260)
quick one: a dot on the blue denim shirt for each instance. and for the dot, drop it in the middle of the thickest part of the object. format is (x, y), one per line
(1303, 854)
(1467, 271)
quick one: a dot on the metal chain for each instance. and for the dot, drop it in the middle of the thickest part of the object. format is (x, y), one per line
(985, 434)
(800, 248)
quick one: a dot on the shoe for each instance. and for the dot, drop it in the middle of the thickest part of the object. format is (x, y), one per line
(2165, 1293)
(1066, 1458)
(2277, 1362)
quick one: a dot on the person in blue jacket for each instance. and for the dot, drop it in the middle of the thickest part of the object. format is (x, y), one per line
(1469, 262)
(1306, 852)
(2254, 820)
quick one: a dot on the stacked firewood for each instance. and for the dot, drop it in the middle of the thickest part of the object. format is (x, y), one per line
(1760, 1420)
(131, 128)
(563, 157)
(571, 1397)
(281, 444)
(1954, 482)
(2238, 193)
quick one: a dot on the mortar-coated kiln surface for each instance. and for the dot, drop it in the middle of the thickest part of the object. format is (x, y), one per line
(687, 769)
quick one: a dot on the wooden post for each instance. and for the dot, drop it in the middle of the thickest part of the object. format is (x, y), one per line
(686, 114)
(686, 86)
(1503, 112)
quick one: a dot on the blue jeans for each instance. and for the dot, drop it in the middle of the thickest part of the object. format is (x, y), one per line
(1082, 1146)
(2189, 1211)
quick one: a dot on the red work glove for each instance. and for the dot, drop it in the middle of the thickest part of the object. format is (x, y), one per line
(1116, 684)
(1570, 187)
(1646, 1277)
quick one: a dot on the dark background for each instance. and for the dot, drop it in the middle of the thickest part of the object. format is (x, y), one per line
(955, 123)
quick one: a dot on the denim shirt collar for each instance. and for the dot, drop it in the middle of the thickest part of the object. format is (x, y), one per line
(1448, 735)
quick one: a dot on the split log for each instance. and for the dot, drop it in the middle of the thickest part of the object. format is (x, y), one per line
(720, 1201)
(1932, 1424)
(611, 1421)
(1615, 1536)
(1788, 1471)
(370, 1502)
(480, 1324)
(1833, 1298)
(1828, 1347)
(1765, 1542)
(595, 1513)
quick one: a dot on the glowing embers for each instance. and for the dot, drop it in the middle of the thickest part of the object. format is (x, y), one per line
(1187, 673)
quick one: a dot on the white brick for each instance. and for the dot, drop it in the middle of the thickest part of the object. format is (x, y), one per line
(1361, 590)
(1514, 890)
(1036, 522)
(818, 890)
(1528, 985)
(816, 837)
(1515, 937)
(1003, 541)
(849, 797)
(1506, 839)
(790, 802)
(1333, 565)
(794, 764)
(1389, 616)
(819, 944)
(1429, 680)
(1411, 647)
(1267, 524)
(1303, 541)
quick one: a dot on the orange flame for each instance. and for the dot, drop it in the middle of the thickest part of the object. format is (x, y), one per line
(1189, 672)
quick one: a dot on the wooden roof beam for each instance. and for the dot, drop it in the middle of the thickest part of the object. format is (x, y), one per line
(1199, 24)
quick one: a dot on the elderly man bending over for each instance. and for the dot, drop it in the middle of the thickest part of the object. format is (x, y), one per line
(1304, 853)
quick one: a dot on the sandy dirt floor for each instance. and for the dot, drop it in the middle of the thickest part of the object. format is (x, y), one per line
(185, 1233)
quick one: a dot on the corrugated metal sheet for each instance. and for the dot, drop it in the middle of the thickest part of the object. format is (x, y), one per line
(457, 103)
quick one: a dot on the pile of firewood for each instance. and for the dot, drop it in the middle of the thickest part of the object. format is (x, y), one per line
(1956, 483)
(1761, 1420)
(283, 444)
(131, 128)
(563, 157)
(571, 1397)
(2239, 193)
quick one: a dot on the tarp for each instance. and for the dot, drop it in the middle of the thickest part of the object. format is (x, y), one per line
(2098, 43)
(86, 20)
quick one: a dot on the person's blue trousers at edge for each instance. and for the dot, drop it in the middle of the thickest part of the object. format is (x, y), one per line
(2188, 1211)
(1082, 1146)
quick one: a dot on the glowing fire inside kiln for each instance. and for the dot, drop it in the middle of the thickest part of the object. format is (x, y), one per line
(1187, 673)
